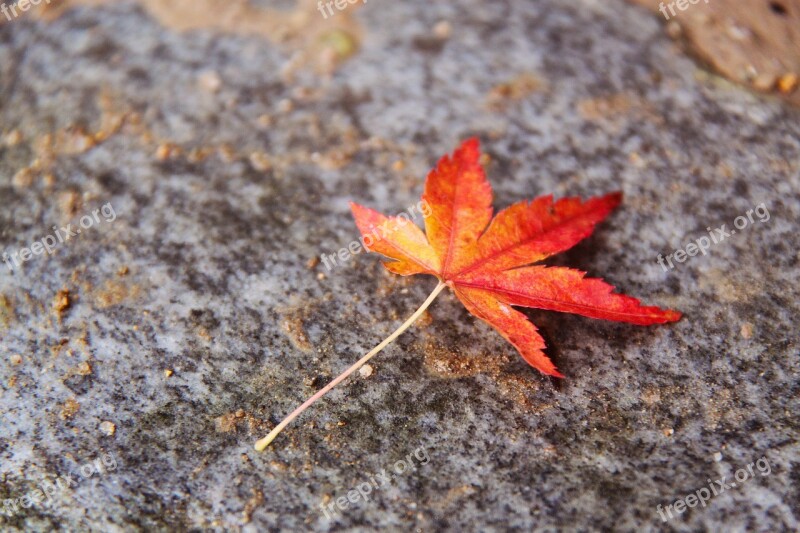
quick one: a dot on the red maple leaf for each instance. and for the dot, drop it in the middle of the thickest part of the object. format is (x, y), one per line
(489, 263)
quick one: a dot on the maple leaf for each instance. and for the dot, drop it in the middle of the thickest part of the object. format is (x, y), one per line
(489, 263)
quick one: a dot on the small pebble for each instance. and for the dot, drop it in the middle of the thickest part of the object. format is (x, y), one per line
(366, 371)
(717, 457)
(165, 151)
(260, 161)
(12, 138)
(285, 106)
(210, 81)
(23, 178)
(62, 301)
(442, 30)
(264, 121)
(787, 83)
(108, 428)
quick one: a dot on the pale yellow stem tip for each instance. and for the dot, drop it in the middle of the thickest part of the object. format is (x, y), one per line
(263, 443)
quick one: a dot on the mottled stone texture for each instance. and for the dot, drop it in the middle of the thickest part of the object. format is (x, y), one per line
(173, 337)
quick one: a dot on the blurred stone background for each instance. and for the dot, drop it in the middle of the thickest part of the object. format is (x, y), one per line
(229, 136)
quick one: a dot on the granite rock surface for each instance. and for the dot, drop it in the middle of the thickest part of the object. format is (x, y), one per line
(142, 358)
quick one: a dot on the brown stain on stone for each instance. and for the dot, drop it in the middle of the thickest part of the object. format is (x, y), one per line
(75, 140)
(721, 408)
(728, 289)
(226, 423)
(204, 334)
(255, 501)
(613, 109)
(69, 203)
(425, 320)
(83, 369)
(6, 311)
(58, 347)
(651, 395)
(453, 496)
(753, 43)
(321, 42)
(114, 292)
(62, 301)
(69, 409)
(23, 178)
(441, 362)
(294, 328)
(232, 421)
(513, 90)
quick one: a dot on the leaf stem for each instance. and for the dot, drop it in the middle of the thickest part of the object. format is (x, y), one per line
(263, 443)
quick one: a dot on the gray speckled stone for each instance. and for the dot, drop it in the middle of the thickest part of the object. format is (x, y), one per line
(204, 272)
